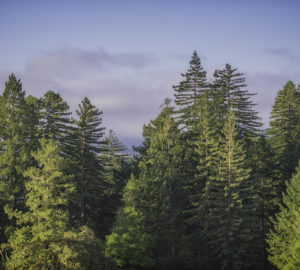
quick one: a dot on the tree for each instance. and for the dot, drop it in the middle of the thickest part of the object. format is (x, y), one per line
(17, 132)
(284, 132)
(88, 166)
(161, 197)
(198, 187)
(266, 175)
(284, 239)
(229, 90)
(227, 229)
(188, 98)
(156, 198)
(44, 238)
(117, 169)
(54, 118)
(189, 91)
(128, 244)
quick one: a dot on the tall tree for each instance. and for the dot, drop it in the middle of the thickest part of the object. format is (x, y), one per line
(196, 212)
(88, 166)
(157, 196)
(188, 97)
(159, 189)
(230, 92)
(284, 131)
(17, 129)
(284, 239)
(266, 175)
(117, 171)
(188, 92)
(128, 244)
(225, 228)
(55, 119)
(45, 239)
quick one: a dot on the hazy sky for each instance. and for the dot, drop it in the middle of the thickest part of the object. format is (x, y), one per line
(126, 55)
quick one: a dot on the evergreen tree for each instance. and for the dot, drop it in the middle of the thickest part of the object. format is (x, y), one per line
(32, 123)
(116, 174)
(54, 118)
(196, 214)
(188, 98)
(88, 166)
(45, 239)
(160, 197)
(188, 92)
(266, 173)
(284, 130)
(229, 91)
(157, 195)
(17, 130)
(128, 244)
(284, 239)
(225, 222)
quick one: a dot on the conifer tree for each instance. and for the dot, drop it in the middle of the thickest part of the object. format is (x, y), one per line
(88, 166)
(55, 119)
(17, 130)
(284, 130)
(229, 91)
(284, 239)
(266, 175)
(188, 95)
(45, 239)
(117, 163)
(128, 244)
(188, 92)
(117, 171)
(32, 124)
(226, 214)
(160, 197)
(196, 214)
(157, 196)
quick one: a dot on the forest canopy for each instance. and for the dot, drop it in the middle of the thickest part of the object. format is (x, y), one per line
(207, 189)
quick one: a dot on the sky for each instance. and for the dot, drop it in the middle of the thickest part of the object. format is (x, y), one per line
(125, 55)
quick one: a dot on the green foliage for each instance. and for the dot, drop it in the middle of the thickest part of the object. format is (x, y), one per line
(88, 166)
(17, 138)
(54, 118)
(266, 175)
(226, 226)
(155, 196)
(198, 187)
(229, 90)
(284, 239)
(128, 244)
(189, 90)
(203, 191)
(116, 174)
(44, 238)
(284, 130)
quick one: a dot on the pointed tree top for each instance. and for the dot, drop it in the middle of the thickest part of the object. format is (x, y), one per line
(13, 87)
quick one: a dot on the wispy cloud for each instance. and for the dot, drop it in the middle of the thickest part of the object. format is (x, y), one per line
(73, 61)
(127, 87)
(279, 51)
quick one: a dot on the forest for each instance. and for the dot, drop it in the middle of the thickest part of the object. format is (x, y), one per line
(208, 188)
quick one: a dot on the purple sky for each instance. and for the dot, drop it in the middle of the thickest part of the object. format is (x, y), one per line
(126, 55)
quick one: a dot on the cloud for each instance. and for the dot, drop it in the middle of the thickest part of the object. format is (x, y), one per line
(127, 87)
(279, 51)
(70, 61)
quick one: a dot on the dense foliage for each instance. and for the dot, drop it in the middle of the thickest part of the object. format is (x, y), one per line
(207, 189)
